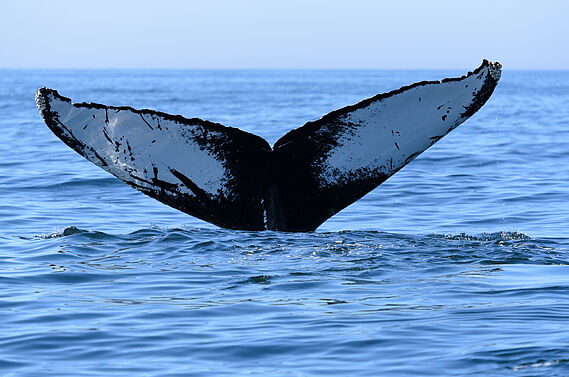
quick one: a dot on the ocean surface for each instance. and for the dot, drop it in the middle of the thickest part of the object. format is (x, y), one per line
(458, 265)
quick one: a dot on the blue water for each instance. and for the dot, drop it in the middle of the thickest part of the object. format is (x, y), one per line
(457, 265)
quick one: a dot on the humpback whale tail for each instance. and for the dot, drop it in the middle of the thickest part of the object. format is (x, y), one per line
(235, 180)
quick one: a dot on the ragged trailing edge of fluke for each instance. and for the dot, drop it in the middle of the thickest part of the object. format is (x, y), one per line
(235, 180)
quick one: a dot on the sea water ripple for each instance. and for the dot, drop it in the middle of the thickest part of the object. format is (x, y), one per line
(457, 265)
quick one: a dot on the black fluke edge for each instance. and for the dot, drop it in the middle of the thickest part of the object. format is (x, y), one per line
(235, 180)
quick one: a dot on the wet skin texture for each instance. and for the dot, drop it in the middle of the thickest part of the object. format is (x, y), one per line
(294, 186)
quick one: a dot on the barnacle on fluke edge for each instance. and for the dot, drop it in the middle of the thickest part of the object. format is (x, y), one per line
(235, 180)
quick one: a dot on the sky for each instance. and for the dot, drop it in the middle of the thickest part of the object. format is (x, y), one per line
(332, 34)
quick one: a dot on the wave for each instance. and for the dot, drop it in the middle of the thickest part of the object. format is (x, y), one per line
(195, 231)
(66, 232)
(353, 254)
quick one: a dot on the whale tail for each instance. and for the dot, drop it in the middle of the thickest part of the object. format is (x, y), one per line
(235, 180)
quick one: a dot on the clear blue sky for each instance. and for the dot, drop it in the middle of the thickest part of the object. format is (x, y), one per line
(284, 34)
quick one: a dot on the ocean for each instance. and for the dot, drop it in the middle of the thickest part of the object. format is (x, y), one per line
(457, 265)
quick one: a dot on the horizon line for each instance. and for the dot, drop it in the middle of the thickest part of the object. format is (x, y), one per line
(256, 69)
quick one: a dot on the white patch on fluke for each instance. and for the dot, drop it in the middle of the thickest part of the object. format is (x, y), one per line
(134, 145)
(397, 128)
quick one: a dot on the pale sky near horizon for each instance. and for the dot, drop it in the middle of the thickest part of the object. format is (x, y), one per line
(360, 34)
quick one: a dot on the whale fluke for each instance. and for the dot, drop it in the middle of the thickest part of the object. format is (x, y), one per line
(235, 180)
